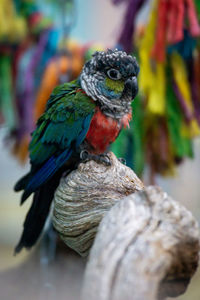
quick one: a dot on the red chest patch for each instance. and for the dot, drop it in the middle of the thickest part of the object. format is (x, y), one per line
(104, 130)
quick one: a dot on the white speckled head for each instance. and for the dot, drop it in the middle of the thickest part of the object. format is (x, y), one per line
(110, 78)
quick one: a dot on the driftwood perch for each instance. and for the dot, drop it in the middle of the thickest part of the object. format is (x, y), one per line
(147, 245)
(146, 248)
(85, 195)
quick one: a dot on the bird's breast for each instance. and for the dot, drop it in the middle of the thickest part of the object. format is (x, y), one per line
(104, 130)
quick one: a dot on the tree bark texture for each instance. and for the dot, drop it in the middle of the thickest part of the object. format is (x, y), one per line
(147, 244)
(85, 195)
(146, 248)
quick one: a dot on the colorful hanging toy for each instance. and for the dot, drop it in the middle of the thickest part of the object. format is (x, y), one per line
(24, 57)
(164, 35)
(35, 56)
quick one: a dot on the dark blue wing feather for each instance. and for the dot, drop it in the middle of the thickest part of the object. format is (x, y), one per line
(54, 163)
(46, 171)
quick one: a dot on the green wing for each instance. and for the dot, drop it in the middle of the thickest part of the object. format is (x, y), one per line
(64, 122)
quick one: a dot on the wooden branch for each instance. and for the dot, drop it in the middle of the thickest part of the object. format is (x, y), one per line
(146, 248)
(147, 244)
(85, 195)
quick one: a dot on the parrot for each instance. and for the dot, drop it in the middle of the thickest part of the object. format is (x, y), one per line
(82, 118)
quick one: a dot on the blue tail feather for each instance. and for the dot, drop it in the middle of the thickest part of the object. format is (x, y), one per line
(41, 176)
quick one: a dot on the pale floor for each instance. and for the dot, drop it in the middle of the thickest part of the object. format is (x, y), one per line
(32, 280)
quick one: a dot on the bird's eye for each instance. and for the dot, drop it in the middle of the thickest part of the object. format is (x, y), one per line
(114, 74)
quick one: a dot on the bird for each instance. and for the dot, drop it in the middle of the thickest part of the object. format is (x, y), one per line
(82, 118)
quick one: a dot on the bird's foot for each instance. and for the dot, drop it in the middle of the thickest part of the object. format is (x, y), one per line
(122, 160)
(102, 158)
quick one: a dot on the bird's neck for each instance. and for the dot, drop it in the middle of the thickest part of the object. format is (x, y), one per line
(115, 108)
(121, 116)
(114, 113)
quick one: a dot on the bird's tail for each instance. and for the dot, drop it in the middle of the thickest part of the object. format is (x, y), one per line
(37, 214)
(37, 177)
(21, 184)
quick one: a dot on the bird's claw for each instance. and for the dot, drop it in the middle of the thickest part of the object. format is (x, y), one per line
(102, 158)
(84, 155)
(122, 160)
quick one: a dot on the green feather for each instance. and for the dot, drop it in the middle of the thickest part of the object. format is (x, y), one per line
(61, 123)
(115, 85)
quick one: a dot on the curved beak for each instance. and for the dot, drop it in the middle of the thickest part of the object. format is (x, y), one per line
(130, 88)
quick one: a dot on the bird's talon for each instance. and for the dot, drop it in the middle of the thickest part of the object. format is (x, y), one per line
(122, 160)
(105, 159)
(102, 158)
(84, 155)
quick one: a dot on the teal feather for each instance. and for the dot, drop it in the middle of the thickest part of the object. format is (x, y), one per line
(60, 130)
(61, 123)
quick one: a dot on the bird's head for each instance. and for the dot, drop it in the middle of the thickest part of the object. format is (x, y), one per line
(110, 78)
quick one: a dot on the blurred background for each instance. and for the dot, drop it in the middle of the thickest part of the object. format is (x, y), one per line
(45, 43)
